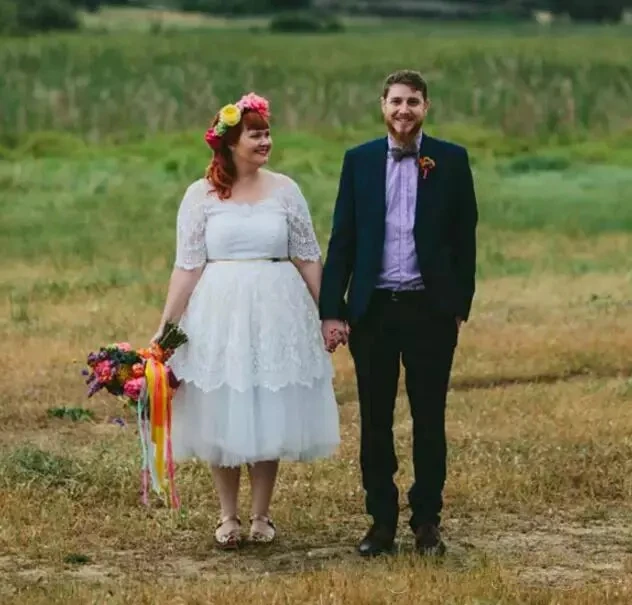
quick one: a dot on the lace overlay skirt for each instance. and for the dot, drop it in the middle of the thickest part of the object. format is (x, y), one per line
(257, 381)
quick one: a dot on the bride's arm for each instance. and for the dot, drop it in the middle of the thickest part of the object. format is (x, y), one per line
(181, 286)
(303, 244)
(190, 255)
(311, 272)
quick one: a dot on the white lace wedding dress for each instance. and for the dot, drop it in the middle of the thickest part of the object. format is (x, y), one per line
(257, 381)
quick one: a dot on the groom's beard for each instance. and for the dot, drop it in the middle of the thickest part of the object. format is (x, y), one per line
(406, 138)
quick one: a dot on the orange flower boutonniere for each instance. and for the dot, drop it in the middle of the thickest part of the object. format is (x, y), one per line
(426, 164)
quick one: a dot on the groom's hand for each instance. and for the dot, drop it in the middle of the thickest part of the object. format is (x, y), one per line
(335, 332)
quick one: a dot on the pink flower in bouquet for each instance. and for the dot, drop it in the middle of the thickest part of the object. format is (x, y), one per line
(255, 103)
(104, 370)
(124, 346)
(132, 388)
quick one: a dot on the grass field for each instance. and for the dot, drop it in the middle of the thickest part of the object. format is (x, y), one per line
(100, 139)
(126, 86)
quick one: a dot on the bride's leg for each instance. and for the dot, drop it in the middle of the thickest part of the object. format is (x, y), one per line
(227, 483)
(262, 479)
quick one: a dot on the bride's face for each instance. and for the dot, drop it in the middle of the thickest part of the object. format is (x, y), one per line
(254, 147)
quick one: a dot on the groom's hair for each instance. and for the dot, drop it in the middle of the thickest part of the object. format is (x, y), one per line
(410, 78)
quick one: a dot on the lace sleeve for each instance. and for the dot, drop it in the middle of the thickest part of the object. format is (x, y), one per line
(191, 227)
(302, 238)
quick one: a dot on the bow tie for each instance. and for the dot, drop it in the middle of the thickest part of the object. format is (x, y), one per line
(400, 153)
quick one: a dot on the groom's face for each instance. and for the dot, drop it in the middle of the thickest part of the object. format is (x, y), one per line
(404, 111)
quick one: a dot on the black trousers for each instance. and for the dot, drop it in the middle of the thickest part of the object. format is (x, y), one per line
(403, 327)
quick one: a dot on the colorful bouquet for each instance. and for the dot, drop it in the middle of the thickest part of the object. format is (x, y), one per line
(147, 384)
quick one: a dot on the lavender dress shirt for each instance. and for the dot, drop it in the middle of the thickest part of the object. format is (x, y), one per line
(400, 269)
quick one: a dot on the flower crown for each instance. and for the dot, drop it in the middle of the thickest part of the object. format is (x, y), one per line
(231, 114)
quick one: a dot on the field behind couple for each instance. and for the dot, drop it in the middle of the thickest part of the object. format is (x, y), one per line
(100, 134)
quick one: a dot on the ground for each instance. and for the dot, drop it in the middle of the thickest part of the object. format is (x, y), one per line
(101, 135)
(537, 497)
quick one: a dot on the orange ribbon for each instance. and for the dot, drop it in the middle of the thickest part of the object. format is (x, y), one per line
(159, 397)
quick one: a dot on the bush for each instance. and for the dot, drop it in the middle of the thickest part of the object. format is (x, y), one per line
(221, 7)
(590, 10)
(47, 15)
(8, 17)
(17, 17)
(289, 5)
(242, 7)
(92, 6)
(304, 22)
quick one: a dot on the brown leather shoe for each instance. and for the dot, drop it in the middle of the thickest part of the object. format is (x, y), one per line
(428, 541)
(378, 540)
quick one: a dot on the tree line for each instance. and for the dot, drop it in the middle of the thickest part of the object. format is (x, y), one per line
(23, 16)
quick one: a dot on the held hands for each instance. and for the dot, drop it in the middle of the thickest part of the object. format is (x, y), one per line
(335, 332)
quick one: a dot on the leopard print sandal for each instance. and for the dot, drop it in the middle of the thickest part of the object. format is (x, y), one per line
(258, 536)
(225, 538)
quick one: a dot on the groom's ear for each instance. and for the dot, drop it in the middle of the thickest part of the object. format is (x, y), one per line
(427, 105)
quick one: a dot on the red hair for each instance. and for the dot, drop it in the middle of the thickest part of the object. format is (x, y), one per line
(221, 172)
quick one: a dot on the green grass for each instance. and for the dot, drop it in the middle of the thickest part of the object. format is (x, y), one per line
(128, 86)
(103, 219)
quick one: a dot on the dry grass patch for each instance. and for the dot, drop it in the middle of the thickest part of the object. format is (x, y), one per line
(538, 490)
(402, 583)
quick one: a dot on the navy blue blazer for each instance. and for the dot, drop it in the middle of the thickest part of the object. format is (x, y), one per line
(445, 231)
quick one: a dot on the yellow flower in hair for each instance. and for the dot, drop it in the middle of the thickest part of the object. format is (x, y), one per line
(230, 115)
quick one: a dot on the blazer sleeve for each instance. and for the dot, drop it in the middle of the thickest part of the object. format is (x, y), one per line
(464, 235)
(341, 248)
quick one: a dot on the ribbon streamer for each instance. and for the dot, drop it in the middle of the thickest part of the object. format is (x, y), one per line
(154, 427)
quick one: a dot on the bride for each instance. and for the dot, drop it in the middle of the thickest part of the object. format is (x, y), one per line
(256, 378)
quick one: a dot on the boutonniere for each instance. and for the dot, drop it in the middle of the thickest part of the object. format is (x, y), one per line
(426, 164)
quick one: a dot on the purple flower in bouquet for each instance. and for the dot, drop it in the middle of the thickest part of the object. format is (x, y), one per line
(94, 386)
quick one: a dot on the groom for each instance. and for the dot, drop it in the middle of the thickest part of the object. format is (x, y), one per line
(404, 243)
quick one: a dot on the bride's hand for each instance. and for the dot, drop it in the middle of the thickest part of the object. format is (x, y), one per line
(156, 337)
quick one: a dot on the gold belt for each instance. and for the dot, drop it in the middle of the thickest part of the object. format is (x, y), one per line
(273, 259)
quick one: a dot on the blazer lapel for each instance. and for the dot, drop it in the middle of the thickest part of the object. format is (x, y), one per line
(376, 178)
(378, 171)
(376, 193)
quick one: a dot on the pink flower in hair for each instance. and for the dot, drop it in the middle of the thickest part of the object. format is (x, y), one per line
(256, 103)
(213, 140)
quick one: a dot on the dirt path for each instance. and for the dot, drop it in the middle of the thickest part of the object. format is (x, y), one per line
(542, 552)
